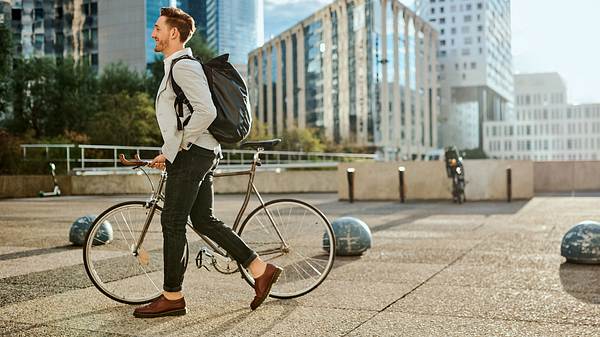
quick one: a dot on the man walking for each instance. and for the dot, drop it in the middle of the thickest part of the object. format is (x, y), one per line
(190, 157)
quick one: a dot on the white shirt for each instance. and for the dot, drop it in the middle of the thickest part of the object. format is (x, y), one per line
(190, 76)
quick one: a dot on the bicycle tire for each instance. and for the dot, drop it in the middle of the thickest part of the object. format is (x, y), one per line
(312, 245)
(112, 268)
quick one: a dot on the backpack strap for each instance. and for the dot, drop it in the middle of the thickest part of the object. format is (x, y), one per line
(180, 98)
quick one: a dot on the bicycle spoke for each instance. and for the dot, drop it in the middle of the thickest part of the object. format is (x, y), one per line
(310, 265)
(113, 267)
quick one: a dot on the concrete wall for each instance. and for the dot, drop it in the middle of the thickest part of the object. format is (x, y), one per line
(486, 180)
(266, 182)
(562, 176)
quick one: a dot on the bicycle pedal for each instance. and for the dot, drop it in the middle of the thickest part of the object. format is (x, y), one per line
(200, 259)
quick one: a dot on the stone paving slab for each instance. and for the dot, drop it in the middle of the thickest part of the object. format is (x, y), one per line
(399, 324)
(435, 268)
(505, 304)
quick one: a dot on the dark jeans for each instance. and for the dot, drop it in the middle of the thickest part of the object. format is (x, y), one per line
(189, 191)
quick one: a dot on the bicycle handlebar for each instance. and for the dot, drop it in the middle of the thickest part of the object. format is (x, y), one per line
(136, 162)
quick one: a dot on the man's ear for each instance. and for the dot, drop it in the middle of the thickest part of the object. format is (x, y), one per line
(174, 34)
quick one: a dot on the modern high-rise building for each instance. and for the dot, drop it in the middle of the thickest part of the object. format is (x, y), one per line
(545, 127)
(5, 13)
(55, 28)
(362, 72)
(475, 66)
(231, 26)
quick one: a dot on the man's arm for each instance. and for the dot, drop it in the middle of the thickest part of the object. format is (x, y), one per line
(191, 78)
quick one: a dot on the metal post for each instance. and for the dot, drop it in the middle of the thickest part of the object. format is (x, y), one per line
(350, 176)
(115, 156)
(509, 184)
(82, 158)
(401, 171)
(68, 160)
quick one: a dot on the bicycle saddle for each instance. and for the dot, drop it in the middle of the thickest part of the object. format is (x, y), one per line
(265, 144)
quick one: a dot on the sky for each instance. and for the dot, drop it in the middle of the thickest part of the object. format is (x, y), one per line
(547, 36)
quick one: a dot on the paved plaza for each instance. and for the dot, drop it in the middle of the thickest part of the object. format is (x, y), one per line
(435, 269)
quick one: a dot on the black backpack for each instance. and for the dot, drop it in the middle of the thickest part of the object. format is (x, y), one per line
(229, 94)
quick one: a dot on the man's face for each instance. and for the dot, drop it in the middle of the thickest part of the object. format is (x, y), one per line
(161, 34)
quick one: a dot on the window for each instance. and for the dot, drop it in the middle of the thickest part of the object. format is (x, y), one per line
(442, 20)
(468, 40)
(39, 13)
(479, 5)
(465, 29)
(480, 28)
(466, 52)
(441, 9)
(453, 30)
(442, 42)
(473, 65)
(16, 14)
(442, 31)
(468, 7)
(432, 10)
(468, 18)
(94, 12)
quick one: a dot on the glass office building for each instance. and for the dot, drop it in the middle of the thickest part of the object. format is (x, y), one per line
(362, 72)
(229, 26)
(54, 28)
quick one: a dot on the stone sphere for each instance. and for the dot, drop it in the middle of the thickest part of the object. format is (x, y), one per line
(352, 236)
(81, 226)
(581, 244)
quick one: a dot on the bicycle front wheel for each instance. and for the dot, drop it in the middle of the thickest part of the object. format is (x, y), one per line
(295, 236)
(109, 259)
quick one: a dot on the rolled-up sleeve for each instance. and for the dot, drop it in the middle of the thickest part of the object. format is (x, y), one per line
(191, 78)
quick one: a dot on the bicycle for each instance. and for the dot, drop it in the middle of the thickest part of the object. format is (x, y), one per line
(458, 186)
(127, 265)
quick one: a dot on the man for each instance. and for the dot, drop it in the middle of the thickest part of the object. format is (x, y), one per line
(190, 157)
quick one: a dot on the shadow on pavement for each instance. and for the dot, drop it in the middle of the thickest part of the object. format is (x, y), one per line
(581, 281)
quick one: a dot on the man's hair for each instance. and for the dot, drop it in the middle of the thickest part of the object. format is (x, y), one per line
(180, 20)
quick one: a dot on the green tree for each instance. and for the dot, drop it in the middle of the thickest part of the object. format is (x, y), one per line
(5, 69)
(297, 139)
(125, 119)
(476, 153)
(200, 48)
(117, 78)
(73, 97)
(33, 87)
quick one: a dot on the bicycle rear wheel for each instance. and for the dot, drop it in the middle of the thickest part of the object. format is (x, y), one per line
(306, 253)
(112, 265)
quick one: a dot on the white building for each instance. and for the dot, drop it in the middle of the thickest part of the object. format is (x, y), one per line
(359, 71)
(475, 66)
(545, 127)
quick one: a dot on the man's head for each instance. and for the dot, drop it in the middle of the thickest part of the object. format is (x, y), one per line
(172, 29)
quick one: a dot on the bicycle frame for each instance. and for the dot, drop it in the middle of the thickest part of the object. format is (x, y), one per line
(157, 196)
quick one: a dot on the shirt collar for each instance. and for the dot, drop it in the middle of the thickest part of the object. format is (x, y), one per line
(182, 52)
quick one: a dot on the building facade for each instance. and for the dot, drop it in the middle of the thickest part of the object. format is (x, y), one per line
(231, 26)
(55, 28)
(475, 66)
(545, 127)
(362, 72)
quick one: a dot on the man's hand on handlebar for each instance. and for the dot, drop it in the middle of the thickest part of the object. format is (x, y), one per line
(158, 162)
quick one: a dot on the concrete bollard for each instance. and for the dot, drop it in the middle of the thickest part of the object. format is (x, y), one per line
(509, 184)
(350, 176)
(401, 171)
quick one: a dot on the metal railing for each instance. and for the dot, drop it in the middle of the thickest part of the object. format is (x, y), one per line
(89, 160)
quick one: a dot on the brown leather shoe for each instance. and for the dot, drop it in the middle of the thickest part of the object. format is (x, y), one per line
(262, 284)
(161, 307)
